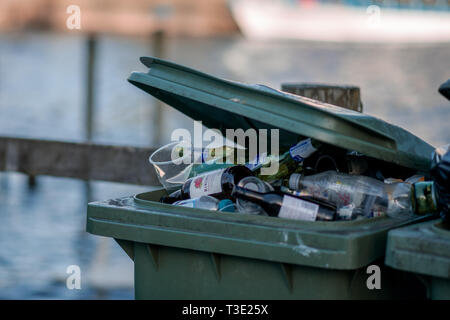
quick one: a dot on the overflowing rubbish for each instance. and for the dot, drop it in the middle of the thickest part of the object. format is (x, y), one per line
(314, 182)
(356, 195)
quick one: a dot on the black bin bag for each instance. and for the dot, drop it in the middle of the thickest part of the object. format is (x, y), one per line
(440, 173)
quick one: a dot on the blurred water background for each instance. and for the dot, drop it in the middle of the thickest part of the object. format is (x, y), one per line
(42, 229)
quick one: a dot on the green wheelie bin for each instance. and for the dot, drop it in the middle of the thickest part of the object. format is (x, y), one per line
(423, 249)
(189, 253)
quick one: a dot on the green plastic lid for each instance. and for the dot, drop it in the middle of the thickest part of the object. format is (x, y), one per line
(225, 104)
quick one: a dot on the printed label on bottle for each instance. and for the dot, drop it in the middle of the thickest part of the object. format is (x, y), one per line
(205, 184)
(346, 212)
(298, 209)
(302, 150)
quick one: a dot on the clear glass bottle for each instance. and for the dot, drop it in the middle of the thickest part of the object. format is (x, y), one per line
(356, 195)
(208, 203)
(203, 202)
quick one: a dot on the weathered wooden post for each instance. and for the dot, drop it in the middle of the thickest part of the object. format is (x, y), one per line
(344, 96)
(158, 46)
(91, 48)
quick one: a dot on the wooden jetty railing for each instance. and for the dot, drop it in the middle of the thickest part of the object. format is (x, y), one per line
(84, 161)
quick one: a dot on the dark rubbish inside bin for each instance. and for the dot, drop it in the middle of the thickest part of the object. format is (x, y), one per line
(440, 173)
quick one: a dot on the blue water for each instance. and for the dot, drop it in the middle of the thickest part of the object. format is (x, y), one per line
(41, 96)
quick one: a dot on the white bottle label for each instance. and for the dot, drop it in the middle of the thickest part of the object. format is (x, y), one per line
(345, 213)
(207, 183)
(298, 209)
(302, 150)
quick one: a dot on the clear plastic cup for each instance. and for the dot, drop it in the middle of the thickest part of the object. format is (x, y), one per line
(173, 168)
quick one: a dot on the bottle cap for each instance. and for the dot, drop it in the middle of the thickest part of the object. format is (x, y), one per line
(294, 180)
(227, 205)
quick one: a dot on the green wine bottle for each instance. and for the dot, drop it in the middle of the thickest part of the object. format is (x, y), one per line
(286, 166)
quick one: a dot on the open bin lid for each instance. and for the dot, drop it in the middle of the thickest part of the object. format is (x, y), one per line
(225, 104)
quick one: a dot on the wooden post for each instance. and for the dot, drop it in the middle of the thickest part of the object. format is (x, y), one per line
(91, 48)
(158, 46)
(31, 182)
(348, 97)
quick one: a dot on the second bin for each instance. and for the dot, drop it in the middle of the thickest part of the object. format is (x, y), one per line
(423, 250)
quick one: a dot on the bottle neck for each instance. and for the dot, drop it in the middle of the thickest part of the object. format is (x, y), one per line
(246, 194)
(424, 198)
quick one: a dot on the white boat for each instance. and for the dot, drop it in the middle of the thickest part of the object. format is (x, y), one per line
(395, 21)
